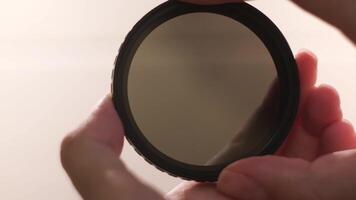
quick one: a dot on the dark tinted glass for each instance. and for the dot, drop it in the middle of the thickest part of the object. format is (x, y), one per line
(203, 90)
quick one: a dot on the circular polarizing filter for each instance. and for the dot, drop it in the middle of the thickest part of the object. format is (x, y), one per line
(199, 87)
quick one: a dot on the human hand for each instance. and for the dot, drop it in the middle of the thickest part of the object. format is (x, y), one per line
(301, 171)
(316, 162)
(341, 14)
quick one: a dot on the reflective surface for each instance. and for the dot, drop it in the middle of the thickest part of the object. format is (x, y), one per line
(203, 90)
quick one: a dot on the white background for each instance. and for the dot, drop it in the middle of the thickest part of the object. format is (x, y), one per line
(55, 63)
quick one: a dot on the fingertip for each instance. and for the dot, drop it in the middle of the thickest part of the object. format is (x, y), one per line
(240, 186)
(307, 55)
(103, 126)
(264, 163)
(307, 66)
(300, 137)
(105, 108)
(339, 136)
(210, 2)
(322, 107)
(245, 178)
(263, 175)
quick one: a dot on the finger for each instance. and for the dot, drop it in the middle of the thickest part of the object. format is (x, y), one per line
(321, 109)
(90, 156)
(263, 178)
(307, 64)
(300, 144)
(323, 9)
(192, 190)
(307, 67)
(209, 2)
(103, 126)
(339, 136)
(279, 178)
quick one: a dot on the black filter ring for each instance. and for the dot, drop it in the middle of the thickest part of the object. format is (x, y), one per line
(244, 13)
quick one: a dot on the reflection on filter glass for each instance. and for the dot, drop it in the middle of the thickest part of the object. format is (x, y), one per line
(203, 89)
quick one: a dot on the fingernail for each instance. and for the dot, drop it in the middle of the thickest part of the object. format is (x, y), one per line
(309, 53)
(240, 186)
(102, 101)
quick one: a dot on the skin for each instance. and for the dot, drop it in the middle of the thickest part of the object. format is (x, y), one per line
(317, 161)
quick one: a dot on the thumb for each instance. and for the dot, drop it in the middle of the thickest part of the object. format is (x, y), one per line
(90, 153)
(268, 177)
